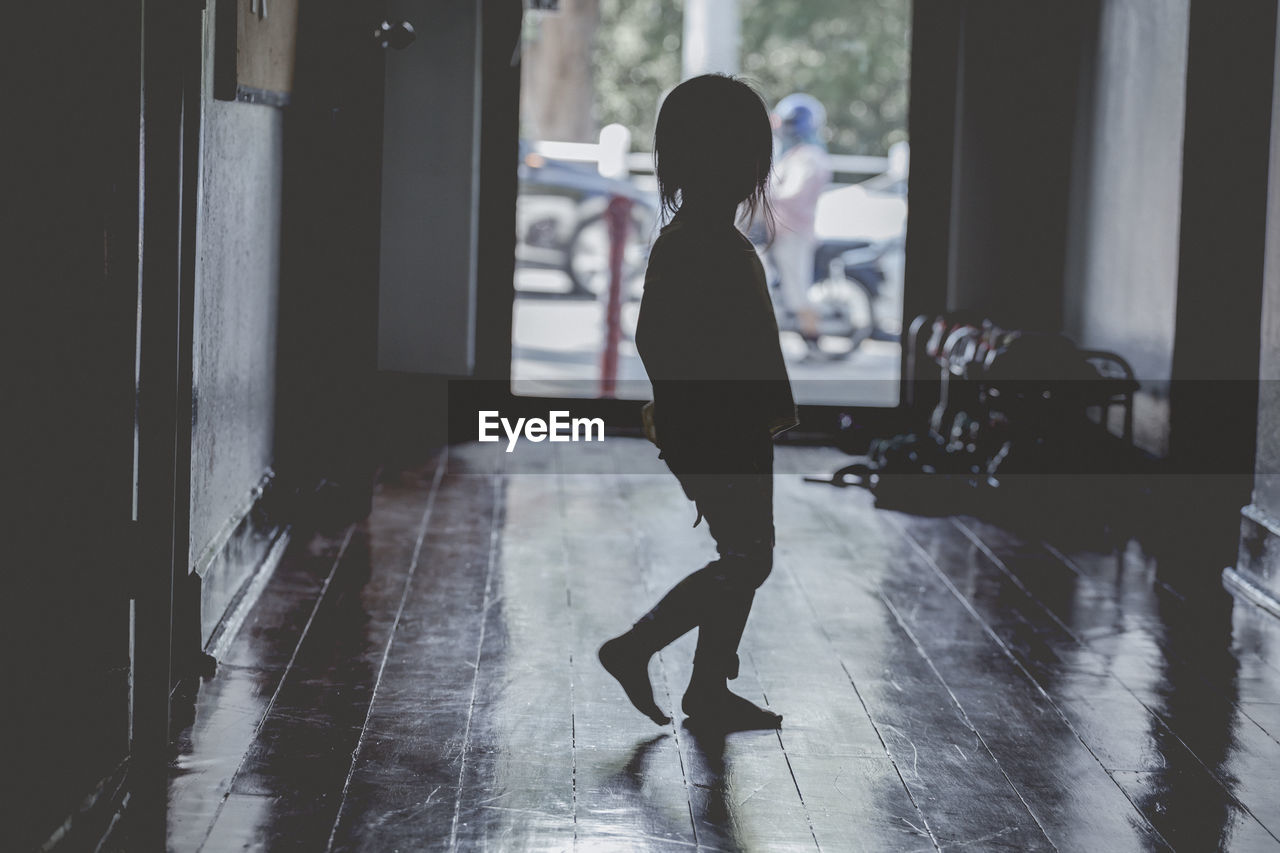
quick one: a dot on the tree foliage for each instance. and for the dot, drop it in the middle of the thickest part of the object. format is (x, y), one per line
(637, 59)
(853, 55)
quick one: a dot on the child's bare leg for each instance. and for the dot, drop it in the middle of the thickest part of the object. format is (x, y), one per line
(720, 709)
(708, 701)
(626, 658)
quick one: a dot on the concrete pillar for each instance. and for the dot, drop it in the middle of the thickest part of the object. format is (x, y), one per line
(712, 34)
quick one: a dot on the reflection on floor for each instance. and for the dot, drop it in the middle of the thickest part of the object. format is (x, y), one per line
(427, 680)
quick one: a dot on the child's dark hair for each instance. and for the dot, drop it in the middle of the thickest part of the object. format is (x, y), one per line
(713, 142)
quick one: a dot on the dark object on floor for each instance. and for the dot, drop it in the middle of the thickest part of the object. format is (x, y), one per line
(1010, 403)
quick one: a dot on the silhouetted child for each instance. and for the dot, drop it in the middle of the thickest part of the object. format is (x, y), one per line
(709, 342)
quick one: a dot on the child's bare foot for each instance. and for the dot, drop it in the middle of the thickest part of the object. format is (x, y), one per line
(723, 710)
(630, 667)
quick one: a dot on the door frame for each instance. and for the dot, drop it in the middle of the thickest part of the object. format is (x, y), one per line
(934, 58)
(169, 148)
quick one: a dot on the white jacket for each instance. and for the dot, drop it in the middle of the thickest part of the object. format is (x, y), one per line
(799, 177)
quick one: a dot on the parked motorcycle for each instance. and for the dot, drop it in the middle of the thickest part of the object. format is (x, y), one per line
(847, 281)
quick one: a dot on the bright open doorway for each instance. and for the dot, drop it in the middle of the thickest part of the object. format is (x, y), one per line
(592, 68)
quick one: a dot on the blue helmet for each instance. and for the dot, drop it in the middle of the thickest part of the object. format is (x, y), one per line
(801, 115)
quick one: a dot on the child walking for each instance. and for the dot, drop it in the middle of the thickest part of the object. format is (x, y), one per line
(709, 342)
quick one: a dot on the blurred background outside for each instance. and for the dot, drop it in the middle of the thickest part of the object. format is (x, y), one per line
(592, 68)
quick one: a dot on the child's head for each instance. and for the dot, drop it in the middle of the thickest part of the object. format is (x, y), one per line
(713, 145)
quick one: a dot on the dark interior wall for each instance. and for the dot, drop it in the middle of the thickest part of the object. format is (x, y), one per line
(935, 44)
(1107, 181)
(70, 252)
(500, 30)
(1018, 83)
(1213, 402)
(328, 302)
(410, 404)
(1122, 264)
(72, 276)
(430, 182)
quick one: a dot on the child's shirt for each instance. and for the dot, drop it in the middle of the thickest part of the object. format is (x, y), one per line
(709, 340)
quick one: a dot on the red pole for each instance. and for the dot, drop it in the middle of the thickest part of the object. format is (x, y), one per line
(618, 216)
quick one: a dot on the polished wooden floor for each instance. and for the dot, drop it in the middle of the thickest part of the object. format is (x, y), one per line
(426, 680)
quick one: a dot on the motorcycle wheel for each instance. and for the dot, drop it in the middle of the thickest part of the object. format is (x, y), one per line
(844, 310)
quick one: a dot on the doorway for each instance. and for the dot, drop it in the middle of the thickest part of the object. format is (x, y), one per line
(593, 75)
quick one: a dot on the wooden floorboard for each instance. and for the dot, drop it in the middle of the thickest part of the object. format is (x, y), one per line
(1115, 723)
(1063, 782)
(630, 772)
(210, 749)
(945, 682)
(403, 788)
(959, 785)
(302, 755)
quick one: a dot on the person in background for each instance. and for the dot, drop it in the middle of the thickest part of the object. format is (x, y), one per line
(801, 173)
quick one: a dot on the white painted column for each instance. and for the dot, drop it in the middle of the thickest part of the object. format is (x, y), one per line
(712, 34)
